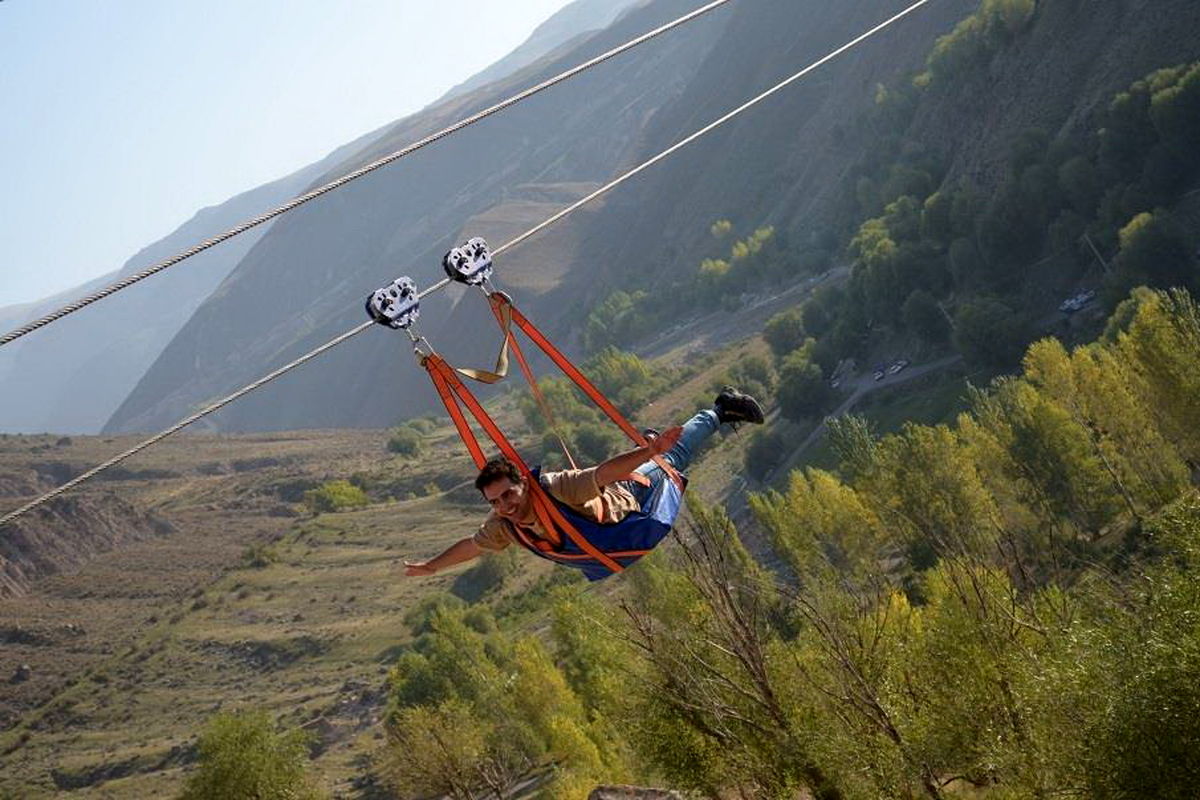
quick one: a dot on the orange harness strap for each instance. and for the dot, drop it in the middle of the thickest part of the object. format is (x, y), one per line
(460, 421)
(504, 318)
(547, 512)
(503, 308)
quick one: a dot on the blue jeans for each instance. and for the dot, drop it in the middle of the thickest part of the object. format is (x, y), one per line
(696, 431)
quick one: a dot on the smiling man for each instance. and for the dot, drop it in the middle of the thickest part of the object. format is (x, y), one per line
(602, 497)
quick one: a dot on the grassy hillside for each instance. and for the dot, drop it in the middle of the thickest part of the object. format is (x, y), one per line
(243, 599)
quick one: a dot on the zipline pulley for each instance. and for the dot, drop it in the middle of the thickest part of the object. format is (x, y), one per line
(395, 305)
(470, 263)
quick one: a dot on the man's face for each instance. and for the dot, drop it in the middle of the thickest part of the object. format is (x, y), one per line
(507, 499)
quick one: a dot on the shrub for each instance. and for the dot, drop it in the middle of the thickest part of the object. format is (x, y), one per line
(336, 495)
(405, 441)
(260, 555)
(765, 453)
(243, 758)
(989, 333)
(487, 575)
(1155, 249)
(803, 391)
(784, 332)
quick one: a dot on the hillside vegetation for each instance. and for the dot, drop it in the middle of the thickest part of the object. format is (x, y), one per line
(1001, 607)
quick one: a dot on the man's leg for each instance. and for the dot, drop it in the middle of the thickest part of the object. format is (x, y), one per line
(730, 407)
(696, 431)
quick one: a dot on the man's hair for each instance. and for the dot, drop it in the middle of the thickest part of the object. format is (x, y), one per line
(496, 469)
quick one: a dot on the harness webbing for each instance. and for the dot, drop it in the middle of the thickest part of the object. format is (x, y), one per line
(548, 514)
(504, 318)
(503, 308)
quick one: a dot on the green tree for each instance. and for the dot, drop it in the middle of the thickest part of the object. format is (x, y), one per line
(924, 317)
(1175, 112)
(1162, 346)
(803, 391)
(1081, 185)
(241, 757)
(436, 750)
(785, 332)
(1155, 249)
(989, 333)
(767, 450)
(854, 442)
(623, 377)
(619, 320)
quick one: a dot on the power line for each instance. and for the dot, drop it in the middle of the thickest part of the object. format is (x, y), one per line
(446, 281)
(342, 181)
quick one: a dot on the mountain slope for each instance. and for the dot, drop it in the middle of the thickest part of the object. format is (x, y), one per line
(783, 163)
(318, 263)
(43, 374)
(70, 377)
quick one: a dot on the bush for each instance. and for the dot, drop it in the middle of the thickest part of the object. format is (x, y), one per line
(975, 39)
(336, 495)
(243, 758)
(1155, 249)
(923, 317)
(487, 575)
(803, 392)
(784, 332)
(621, 319)
(258, 556)
(765, 453)
(405, 441)
(989, 333)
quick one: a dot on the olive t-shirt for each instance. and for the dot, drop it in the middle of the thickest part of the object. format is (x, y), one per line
(574, 487)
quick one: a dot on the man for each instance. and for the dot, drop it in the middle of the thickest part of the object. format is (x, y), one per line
(600, 494)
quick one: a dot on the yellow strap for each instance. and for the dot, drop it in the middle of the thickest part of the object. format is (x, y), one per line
(501, 370)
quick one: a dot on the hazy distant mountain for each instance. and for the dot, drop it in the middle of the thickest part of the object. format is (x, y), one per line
(570, 22)
(71, 376)
(784, 163)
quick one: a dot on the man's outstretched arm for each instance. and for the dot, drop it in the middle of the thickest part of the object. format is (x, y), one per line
(619, 466)
(457, 553)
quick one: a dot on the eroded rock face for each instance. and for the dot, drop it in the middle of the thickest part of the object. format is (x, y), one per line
(617, 792)
(67, 533)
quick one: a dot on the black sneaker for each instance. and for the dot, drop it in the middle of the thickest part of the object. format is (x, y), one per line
(733, 406)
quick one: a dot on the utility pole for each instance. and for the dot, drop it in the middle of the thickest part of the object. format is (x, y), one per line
(946, 314)
(1087, 238)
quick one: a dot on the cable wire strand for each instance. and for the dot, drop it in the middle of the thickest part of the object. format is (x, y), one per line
(446, 281)
(358, 173)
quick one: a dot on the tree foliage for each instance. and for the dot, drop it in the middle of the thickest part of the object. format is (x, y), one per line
(242, 757)
(1002, 607)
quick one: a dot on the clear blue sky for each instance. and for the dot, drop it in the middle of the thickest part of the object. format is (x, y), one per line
(122, 118)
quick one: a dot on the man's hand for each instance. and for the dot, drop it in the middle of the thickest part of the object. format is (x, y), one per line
(665, 440)
(418, 569)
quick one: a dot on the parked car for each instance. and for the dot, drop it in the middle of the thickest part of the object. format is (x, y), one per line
(1077, 301)
(897, 366)
(878, 374)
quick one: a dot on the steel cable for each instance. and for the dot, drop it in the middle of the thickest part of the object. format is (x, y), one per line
(446, 281)
(342, 181)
